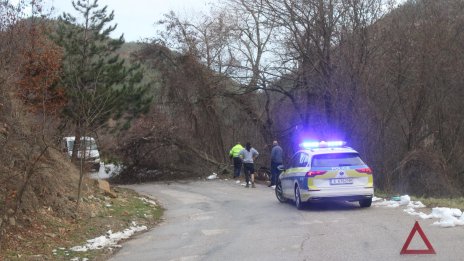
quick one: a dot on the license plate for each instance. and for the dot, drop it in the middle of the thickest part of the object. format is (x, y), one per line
(341, 181)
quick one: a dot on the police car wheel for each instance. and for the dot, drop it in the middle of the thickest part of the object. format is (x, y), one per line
(365, 203)
(298, 203)
(279, 193)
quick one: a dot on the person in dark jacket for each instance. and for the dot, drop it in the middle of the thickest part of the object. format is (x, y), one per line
(276, 160)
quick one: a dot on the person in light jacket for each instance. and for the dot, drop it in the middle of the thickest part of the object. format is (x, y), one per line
(249, 155)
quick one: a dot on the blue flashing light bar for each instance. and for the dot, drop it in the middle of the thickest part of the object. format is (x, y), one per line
(309, 145)
(336, 143)
(322, 144)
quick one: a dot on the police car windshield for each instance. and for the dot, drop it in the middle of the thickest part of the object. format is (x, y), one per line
(336, 160)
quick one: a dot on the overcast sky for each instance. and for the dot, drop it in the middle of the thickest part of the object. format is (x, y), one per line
(136, 18)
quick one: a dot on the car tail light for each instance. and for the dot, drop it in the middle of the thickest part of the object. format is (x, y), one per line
(313, 173)
(364, 170)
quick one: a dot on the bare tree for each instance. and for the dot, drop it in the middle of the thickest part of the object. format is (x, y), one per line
(379, 75)
(22, 51)
(411, 80)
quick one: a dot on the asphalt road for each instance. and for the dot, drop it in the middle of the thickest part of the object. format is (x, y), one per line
(221, 220)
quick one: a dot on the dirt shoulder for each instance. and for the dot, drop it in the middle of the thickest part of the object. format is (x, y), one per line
(45, 236)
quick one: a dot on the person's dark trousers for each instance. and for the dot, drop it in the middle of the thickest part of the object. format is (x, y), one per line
(248, 169)
(237, 166)
(274, 172)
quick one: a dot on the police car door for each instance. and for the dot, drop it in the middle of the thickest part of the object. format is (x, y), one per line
(296, 171)
(286, 178)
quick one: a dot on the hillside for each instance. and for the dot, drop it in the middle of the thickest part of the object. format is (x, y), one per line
(45, 222)
(128, 48)
(35, 177)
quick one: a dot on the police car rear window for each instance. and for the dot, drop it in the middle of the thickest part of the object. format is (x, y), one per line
(336, 160)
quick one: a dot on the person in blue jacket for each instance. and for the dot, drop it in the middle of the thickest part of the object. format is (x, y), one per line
(276, 160)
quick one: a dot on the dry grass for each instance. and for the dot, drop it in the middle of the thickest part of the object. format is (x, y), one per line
(430, 202)
(442, 202)
(47, 237)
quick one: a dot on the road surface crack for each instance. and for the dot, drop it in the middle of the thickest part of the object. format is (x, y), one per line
(302, 245)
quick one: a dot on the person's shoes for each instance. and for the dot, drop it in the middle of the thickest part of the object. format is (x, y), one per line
(253, 185)
(247, 185)
(270, 185)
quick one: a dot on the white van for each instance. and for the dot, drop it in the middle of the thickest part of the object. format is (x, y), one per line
(92, 155)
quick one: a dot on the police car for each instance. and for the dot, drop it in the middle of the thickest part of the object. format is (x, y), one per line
(325, 170)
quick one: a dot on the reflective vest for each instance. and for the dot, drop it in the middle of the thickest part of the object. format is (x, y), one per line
(235, 150)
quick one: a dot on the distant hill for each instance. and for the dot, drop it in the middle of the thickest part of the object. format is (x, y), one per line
(128, 48)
